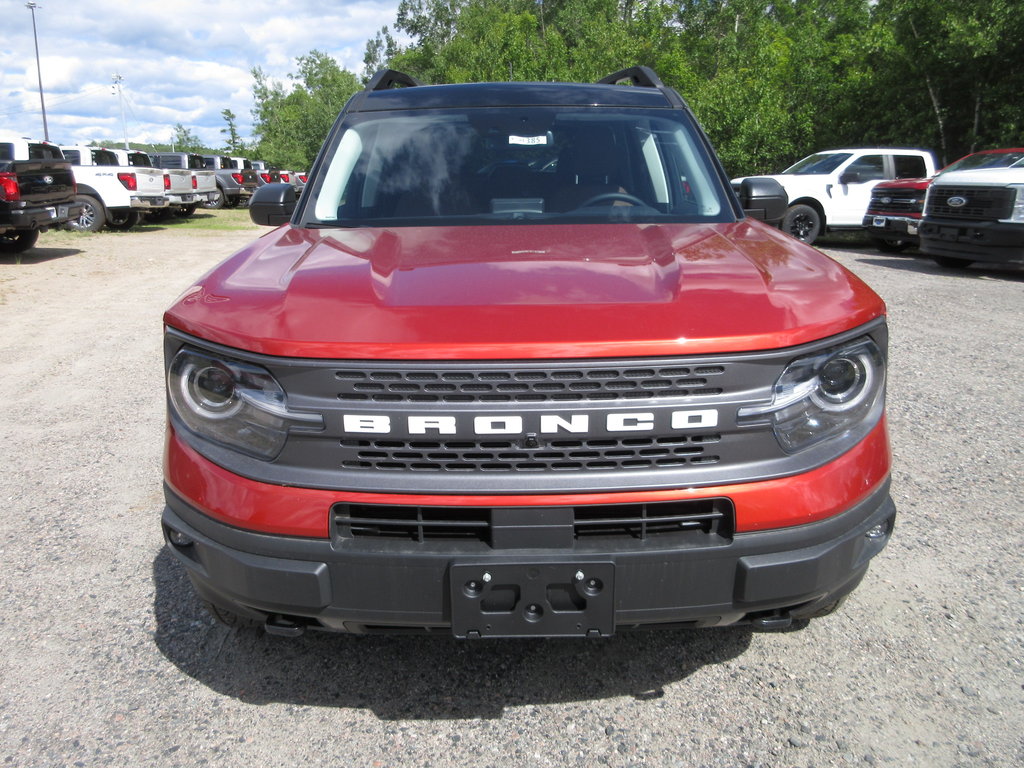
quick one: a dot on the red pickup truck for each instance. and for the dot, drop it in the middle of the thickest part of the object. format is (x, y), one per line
(518, 363)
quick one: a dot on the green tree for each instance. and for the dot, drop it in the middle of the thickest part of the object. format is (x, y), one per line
(235, 146)
(290, 124)
(184, 140)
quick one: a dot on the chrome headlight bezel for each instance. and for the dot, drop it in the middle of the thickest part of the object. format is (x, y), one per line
(236, 404)
(824, 396)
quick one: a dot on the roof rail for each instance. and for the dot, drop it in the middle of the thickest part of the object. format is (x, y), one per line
(642, 76)
(390, 78)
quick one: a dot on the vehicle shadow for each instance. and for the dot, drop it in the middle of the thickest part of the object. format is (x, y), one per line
(37, 255)
(399, 677)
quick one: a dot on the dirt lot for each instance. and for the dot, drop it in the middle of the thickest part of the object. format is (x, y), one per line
(109, 660)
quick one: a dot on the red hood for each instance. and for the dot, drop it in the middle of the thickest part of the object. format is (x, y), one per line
(905, 184)
(545, 291)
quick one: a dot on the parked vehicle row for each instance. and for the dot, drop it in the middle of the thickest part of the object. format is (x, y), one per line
(971, 210)
(37, 191)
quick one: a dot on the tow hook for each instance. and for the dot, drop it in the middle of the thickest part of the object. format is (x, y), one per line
(282, 626)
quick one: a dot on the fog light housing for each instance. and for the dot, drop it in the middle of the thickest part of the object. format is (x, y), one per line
(179, 539)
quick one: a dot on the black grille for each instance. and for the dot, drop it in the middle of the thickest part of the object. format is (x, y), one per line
(983, 203)
(708, 520)
(507, 456)
(527, 384)
(896, 201)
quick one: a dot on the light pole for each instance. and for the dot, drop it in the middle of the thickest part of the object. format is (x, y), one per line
(120, 97)
(39, 72)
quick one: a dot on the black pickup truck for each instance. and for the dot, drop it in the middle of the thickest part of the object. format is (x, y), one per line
(37, 191)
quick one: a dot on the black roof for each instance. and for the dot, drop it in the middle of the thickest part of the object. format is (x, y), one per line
(511, 94)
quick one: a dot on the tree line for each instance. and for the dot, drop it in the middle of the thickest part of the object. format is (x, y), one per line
(769, 81)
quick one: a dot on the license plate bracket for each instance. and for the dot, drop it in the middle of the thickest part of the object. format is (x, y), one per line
(556, 599)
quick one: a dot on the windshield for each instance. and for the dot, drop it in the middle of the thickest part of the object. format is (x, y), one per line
(517, 165)
(986, 160)
(823, 162)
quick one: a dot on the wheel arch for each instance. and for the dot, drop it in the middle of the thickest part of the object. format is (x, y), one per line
(813, 203)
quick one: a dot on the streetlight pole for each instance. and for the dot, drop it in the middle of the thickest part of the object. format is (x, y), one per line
(39, 72)
(120, 97)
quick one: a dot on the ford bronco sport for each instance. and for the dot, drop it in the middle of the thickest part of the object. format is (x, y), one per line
(517, 363)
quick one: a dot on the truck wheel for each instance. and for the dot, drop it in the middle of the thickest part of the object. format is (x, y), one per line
(802, 222)
(950, 263)
(122, 218)
(93, 217)
(216, 201)
(890, 246)
(18, 241)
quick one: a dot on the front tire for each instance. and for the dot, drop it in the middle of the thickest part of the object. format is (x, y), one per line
(802, 222)
(18, 241)
(890, 246)
(93, 217)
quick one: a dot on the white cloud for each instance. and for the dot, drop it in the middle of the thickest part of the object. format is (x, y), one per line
(181, 62)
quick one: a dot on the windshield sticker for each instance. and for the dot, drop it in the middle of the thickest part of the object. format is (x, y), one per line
(528, 141)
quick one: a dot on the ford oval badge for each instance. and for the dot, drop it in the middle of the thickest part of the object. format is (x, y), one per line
(47, 179)
(956, 201)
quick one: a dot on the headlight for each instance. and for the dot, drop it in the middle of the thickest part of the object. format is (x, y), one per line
(824, 395)
(233, 403)
(1017, 216)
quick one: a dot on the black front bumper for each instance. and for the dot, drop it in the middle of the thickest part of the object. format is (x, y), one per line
(993, 241)
(363, 586)
(892, 228)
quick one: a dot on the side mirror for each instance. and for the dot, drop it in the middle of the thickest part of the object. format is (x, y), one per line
(851, 177)
(763, 198)
(272, 204)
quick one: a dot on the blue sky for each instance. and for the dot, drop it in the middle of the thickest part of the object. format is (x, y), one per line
(181, 61)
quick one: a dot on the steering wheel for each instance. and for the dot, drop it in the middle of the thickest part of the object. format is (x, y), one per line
(611, 196)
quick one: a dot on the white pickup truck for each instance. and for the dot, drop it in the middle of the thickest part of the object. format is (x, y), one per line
(203, 183)
(111, 194)
(975, 215)
(830, 190)
(178, 184)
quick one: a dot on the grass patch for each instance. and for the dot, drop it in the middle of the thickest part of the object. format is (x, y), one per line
(221, 220)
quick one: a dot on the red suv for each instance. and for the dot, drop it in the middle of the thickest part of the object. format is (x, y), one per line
(518, 363)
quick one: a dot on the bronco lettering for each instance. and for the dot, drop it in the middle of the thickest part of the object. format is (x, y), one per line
(547, 424)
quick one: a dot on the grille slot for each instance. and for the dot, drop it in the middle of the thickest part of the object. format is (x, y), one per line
(507, 456)
(706, 521)
(567, 384)
(983, 203)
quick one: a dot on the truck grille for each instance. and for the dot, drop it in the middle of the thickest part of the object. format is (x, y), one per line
(705, 518)
(896, 201)
(533, 384)
(983, 203)
(507, 456)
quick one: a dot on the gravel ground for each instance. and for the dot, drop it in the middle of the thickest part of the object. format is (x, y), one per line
(108, 659)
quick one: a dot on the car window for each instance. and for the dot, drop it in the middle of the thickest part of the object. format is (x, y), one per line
(517, 164)
(910, 166)
(823, 162)
(44, 152)
(869, 167)
(986, 160)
